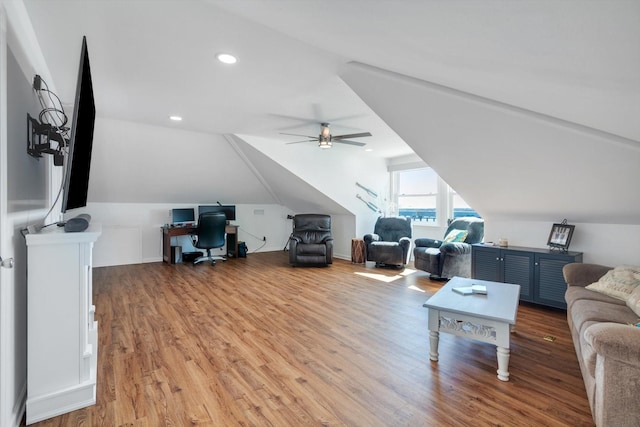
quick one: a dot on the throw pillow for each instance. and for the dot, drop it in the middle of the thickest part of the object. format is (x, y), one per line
(456, 236)
(618, 283)
(633, 302)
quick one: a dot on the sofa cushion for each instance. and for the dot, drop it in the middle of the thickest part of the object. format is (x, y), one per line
(618, 283)
(633, 302)
(456, 236)
(583, 311)
(312, 249)
(575, 293)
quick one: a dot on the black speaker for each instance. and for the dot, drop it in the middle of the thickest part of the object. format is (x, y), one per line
(78, 223)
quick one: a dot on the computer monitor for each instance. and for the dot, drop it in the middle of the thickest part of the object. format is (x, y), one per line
(183, 215)
(228, 210)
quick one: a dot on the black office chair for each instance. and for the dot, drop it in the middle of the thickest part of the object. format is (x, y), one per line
(210, 234)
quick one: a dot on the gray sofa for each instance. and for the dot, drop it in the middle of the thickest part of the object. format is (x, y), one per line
(607, 346)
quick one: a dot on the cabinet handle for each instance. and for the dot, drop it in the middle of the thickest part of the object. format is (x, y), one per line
(497, 258)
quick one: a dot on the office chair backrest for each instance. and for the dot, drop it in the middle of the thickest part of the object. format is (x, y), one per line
(211, 230)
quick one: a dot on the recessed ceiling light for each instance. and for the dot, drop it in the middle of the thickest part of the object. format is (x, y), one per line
(368, 149)
(226, 58)
(175, 118)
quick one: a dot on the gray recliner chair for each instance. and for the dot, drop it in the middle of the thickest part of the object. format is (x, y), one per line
(442, 259)
(311, 241)
(390, 243)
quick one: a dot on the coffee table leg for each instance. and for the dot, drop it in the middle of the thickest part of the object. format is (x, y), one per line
(434, 337)
(503, 363)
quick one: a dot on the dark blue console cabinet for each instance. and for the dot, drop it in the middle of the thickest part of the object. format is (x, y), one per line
(537, 271)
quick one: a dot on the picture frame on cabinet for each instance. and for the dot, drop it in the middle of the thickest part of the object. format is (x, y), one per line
(560, 236)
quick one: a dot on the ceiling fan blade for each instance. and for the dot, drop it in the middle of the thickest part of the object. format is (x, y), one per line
(297, 134)
(351, 135)
(300, 121)
(343, 141)
(306, 140)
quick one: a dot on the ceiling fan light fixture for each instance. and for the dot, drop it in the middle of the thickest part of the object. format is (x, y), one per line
(324, 142)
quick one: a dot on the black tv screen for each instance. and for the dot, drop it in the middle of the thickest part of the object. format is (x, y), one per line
(76, 184)
(228, 210)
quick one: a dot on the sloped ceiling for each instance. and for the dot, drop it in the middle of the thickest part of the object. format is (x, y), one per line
(286, 188)
(573, 61)
(510, 163)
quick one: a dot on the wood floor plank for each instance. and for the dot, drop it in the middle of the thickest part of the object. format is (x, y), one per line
(256, 342)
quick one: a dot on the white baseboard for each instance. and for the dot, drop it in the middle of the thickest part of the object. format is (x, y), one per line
(50, 405)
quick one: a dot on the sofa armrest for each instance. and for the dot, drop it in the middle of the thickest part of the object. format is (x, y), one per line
(455, 248)
(368, 238)
(614, 340)
(428, 243)
(582, 274)
(405, 242)
(295, 239)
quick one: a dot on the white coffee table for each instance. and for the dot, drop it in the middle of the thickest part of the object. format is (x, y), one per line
(487, 318)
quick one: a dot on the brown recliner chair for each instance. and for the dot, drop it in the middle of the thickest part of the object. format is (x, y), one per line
(310, 241)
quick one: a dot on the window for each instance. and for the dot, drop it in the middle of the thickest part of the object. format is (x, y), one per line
(422, 195)
(459, 207)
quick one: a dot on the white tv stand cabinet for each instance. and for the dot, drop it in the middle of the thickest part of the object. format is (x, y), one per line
(62, 335)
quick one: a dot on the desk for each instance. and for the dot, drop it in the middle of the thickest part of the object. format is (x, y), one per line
(168, 232)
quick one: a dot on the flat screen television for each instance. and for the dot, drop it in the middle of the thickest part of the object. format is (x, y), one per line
(228, 210)
(76, 181)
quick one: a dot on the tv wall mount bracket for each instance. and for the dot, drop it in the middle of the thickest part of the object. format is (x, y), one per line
(40, 138)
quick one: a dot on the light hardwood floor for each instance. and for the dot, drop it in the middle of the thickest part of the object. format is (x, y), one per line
(255, 342)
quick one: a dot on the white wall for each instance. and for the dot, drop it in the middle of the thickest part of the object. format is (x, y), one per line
(608, 244)
(163, 168)
(505, 161)
(139, 163)
(520, 170)
(333, 173)
(131, 232)
(17, 34)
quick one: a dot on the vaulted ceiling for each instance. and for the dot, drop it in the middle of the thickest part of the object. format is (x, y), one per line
(576, 63)
(574, 60)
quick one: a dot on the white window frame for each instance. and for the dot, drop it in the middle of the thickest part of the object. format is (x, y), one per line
(444, 198)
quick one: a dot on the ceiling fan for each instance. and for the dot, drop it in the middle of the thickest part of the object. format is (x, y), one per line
(326, 140)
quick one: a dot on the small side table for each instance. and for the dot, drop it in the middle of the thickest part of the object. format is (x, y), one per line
(357, 251)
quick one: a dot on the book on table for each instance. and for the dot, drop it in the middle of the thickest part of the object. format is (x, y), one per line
(469, 290)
